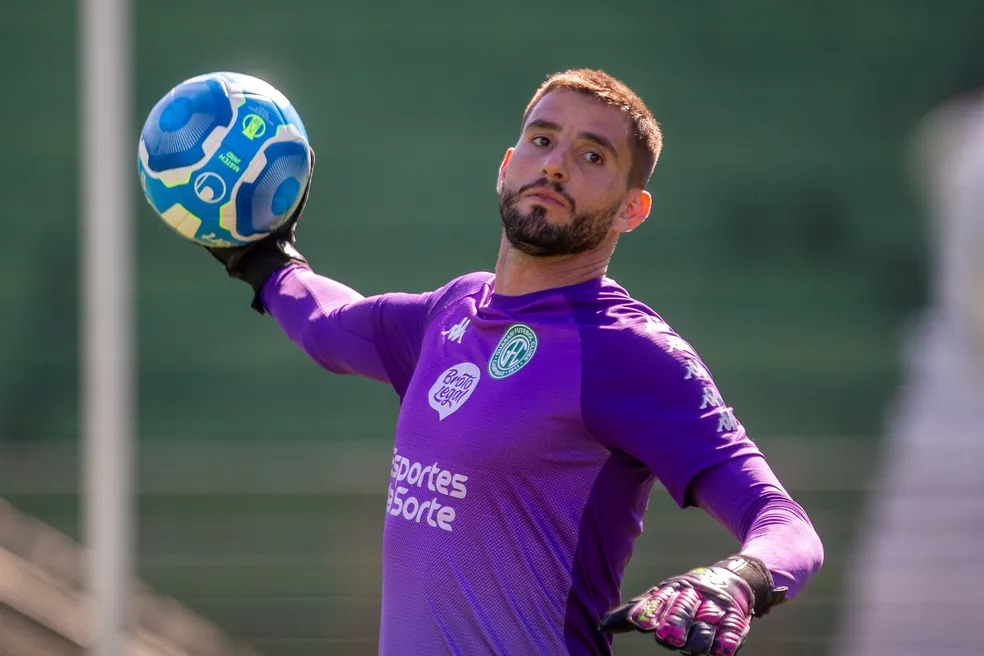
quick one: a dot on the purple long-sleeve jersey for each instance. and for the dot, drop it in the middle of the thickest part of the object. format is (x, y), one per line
(531, 431)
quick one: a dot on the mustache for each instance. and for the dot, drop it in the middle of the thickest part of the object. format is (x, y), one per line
(554, 186)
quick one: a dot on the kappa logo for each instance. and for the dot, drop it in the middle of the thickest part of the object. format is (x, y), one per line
(457, 331)
(453, 387)
(515, 349)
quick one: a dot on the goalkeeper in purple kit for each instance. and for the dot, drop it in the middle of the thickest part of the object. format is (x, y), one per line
(539, 404)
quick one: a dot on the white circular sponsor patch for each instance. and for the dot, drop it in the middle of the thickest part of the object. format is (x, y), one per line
(453, 387)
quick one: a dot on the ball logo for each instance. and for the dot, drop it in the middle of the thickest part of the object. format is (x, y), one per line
(254, 126)
(210, 187)
(453, 387)
(515, 349)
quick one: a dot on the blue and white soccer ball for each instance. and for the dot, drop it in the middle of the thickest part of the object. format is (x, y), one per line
(224, 159)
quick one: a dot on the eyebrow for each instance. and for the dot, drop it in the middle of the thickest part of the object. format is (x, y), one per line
(590, 136)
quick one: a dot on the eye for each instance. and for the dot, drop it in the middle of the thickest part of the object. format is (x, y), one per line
(593, 157)
(540, 141)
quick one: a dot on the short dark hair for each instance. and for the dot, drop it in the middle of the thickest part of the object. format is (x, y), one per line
(647, 139)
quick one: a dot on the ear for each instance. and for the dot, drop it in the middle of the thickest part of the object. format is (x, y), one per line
(502, 169)
(635, 211)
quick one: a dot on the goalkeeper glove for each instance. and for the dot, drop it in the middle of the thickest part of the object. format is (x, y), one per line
(705, 612)
(255, 262)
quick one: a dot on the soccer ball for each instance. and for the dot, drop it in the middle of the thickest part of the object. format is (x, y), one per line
(224, 159)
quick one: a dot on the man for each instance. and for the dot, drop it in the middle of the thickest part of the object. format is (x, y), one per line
(539, 405)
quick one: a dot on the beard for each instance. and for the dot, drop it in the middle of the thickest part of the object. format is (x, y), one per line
(533, 234)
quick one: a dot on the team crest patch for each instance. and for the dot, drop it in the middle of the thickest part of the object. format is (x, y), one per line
(453, 387)
(515, 349)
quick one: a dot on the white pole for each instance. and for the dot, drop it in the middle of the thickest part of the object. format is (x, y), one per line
(107, 341)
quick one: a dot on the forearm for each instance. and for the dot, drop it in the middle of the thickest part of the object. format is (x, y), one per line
(329, 321)
(782, 537)
(745, 496)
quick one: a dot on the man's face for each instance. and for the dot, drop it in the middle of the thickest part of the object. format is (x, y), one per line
(565, 182)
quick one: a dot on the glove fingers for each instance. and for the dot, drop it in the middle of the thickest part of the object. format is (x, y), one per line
(731, 633)
(641, 614)
(701, 639)
(674, 626)
(618, 620)
(705, 612)
(229, 256)
(290, 224)
(648, 612)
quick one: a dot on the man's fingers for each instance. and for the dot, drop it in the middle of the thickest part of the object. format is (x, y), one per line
(643, 613)
(618, 620)
(674, 627)
(707, 617)
(705, 612)
(696, 621)
(731, 633)
(701, 640)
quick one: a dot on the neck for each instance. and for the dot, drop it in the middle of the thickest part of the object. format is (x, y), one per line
(517, 273)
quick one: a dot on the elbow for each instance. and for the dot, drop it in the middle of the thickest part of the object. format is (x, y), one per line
(315, 340)
(817, 553)
(786, 540)
(809, 546)
(809, 559)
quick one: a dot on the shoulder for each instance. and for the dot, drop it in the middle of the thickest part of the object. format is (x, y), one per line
(463, 286)
(457, 289)
(628, 341)
(644, 359)
(644, 384)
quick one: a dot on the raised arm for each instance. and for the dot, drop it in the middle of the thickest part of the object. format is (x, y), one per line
(335, 325)
(377, 337)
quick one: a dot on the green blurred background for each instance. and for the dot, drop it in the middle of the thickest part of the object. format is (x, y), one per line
(785, 242)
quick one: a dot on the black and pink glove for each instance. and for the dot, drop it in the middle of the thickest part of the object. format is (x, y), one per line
(705, 612)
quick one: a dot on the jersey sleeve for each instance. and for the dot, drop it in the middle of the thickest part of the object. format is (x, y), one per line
(746, 497)
(646, 393)
(378, 337)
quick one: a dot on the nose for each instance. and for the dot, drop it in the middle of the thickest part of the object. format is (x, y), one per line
(554, 166)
